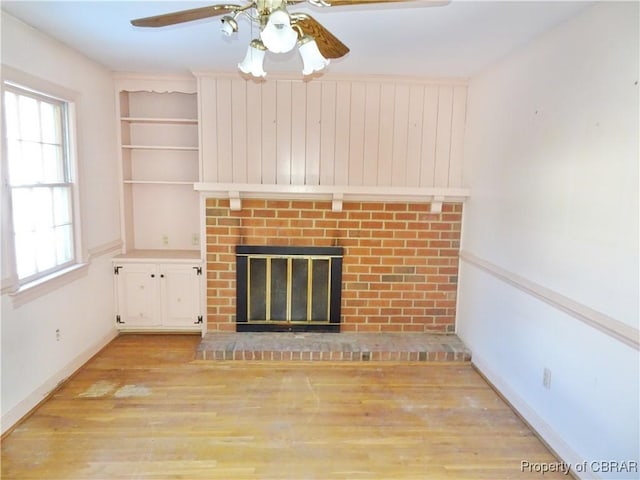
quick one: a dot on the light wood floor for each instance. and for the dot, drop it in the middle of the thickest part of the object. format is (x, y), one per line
(144, 409)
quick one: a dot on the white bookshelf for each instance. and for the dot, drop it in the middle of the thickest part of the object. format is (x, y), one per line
(159, 165)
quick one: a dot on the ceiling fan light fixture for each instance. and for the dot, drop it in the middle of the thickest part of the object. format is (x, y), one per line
(229, 25)
(278, 35)
(279, 31)
(254, 59)
(312, 59)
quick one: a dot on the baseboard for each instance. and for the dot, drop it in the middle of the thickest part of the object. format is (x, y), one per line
(545, 431)
(23, 409)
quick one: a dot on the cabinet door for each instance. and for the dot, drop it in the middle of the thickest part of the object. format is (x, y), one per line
(137, 295)
(180, 295)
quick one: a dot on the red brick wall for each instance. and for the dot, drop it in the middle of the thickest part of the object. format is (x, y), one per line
(400, 267)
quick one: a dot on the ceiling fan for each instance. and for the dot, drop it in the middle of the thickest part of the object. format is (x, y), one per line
(280, 31)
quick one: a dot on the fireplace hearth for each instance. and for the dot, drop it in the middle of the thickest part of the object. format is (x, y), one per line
(295, 289)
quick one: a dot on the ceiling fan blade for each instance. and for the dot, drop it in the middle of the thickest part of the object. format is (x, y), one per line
(184, 16)
(341, 3)
(328, 44)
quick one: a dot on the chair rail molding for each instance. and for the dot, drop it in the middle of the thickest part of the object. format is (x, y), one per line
(607, 325)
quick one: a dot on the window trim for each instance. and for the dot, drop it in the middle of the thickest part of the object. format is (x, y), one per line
(47, 284)
(26, 291)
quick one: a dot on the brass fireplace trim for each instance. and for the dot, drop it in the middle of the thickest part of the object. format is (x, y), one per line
(320, 310)
(289, 297)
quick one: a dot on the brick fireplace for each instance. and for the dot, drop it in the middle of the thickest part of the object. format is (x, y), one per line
(400, 265)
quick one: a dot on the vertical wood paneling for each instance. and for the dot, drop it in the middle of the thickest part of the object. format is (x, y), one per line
(208, 129)
(342, 132)
(459, 116)
(443, 136)
(385, 145)
(327, 133)
(298, 132)
(400, 134)
(283, 132)
(225, 150)
(429, 131)
(312, 150)
(254, 132)
(343, 112)
(269, 133)
(371, 134)
(414, 136)
(356, 134)
(239, 130)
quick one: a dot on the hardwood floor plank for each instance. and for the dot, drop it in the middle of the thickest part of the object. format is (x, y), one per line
(145, 409)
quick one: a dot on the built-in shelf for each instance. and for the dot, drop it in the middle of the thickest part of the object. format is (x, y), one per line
(161, 147)
(335, 193)
(159, 273)
(159, 164)
(169, 121)
(157, 182)
(163, 255)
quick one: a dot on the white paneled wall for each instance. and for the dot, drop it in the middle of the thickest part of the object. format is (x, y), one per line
(365, 132)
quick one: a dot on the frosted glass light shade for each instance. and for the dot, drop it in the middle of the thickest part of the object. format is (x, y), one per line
(253, 60)
(312, 59)
(229, 25)
(277, 35)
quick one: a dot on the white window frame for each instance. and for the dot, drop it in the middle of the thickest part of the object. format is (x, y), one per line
(38, 285)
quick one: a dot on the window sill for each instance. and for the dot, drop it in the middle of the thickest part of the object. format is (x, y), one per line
(43, 286)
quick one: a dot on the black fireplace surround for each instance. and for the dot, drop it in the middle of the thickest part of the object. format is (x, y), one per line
(288, 289)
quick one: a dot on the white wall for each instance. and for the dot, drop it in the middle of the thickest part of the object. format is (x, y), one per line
(33, 361)
(552, 223)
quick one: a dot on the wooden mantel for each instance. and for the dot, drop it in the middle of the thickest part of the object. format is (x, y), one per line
(335, 193)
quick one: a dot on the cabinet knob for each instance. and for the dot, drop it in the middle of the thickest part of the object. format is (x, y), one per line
(153, 275)
(162, 275)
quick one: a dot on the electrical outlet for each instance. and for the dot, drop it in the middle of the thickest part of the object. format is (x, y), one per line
(195, 239)
(165, 240)
(546, 378)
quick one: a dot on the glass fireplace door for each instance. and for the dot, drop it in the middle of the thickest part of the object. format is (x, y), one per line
(288, 289)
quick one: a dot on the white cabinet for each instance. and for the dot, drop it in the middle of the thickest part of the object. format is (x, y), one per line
(180, 295)
(137, 291)
(158, 295)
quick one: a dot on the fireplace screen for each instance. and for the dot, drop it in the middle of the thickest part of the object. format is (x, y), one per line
(288, 288)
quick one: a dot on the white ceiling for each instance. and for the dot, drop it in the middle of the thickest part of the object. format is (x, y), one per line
(459, 39)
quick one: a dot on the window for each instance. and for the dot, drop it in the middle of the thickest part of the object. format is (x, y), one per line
(40, 183)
